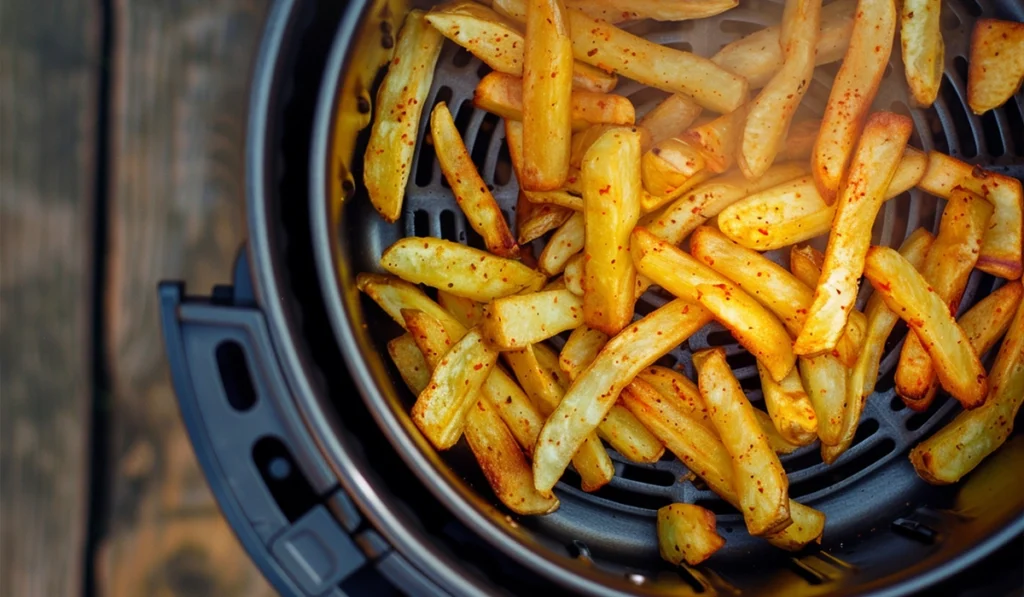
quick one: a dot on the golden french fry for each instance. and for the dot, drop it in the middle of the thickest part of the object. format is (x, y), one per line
(962, 444)
(872, 169)
(660, 10)
(908, 294)
(687, 533)
(629, 437)
(670, 166)
(771, 112)
(611, 191)
(565, 242)
(555, 198)
(594, 392)
(852, 93)
(718, 139)
(502, 94)
(561, 198)
(458, 269)
(387, 162)
(543, 219)
(824, 378)
(996, 65)
(923, 50)
(482, 211)
(573, 274)
(467, 311)
(800, 140)
(580, 350)
(548, 359)
(790, 409)
(517, 321)
(776, 442)
(760, 480)
(806, 262)
(668, 119)
(409, 361)
(946, 269)
(794, 212)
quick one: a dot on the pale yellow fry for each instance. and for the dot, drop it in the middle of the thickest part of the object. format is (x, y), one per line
(962, 444)
(594, 392)
(573, 274)
(565, 242)
(794, 212)
(458, 269)
(668, 119)
(852, 93)
(824, 378)
(923, 50)
(467, 311)
(611, 192)
(760, 480)
(946, 269)
(790, 409)
(387, 162)
(502, 94)
(659, 10)
(995, 68)
(775, 440)
(669, 166)
(758, 56)
(718, 140)
(545, 218)
(580, 350)
(629, 437)
(409, 361)
(874, 164)
(687, 533)
(482, 211)
(771, 112)
(548, 359)
(906, 292)
(517, 321)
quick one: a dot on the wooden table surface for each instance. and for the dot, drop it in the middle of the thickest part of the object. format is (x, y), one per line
(83, 243)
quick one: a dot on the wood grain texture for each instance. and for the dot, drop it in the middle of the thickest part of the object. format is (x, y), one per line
(48, 92)
(180, 89)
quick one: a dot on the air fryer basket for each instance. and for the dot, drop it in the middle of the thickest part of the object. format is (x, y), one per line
(886, 529)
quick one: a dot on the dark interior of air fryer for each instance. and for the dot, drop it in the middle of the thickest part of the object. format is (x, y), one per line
(881, 518)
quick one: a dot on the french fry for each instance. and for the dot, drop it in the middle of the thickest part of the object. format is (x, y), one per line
(907, 293)
(467, 311)
(962, 444)
(800, 140)
(996, 65)
(759, 55)
(718, 139)
(659, 10)
(547, 89)
(687, 533)
(946, 269)
(409, 361)
(564, 243)
(458, 269)
(794, 212)
(611, 191)
(923, 50)
(824, 378)
(545, 218)
(776, 442)
(669, 167)
(770, 114)
(668, 119)
(580, 350)
(573, 274)
(482, 211)
(760, 480)
(515, 322)
(852, 93)
(561, 198)
(502, 94)
(548, 359)
(874, 164)
(806, 262)
(387, 162)
(555, 198)
(789, 407)
(582, 140)
(594, 392)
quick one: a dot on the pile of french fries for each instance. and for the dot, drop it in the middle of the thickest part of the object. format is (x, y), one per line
(687, 199)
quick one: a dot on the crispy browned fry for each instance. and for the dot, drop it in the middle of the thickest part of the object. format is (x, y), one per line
(467, 311)
(670, 167)
(760, 480)
(687, 533)
(545, 218)
(594, 392)
(409, 361)
(771, 112)
(565, 242)
(482, 211)
(611, 191)
(800, 140)
(946, 269)
(718, 139)
(573, 274)
(669, 119)
(660, 10)
(960, 446)
(852, 93)
(503, 95)
(874, 164)
(790, 409)
(996, 65)
(758, 56)
(923, 50)
(387, 162)
(517, 321)
(908, 294)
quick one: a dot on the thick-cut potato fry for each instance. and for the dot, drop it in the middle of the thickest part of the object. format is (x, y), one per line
(502, 94)
(758, 56)
(800, 140)
(806, 262)
(594, 392)
(775, 440)
(467, 311)
(668, 119)
(923, 50)
(687, 533)
(790, 409)
(907, 293)
(555, 198)
(824, 378)
(580, 350)
(946, 269)
(995, 69)
(852, 93)
(409, 361)
(629, 437)
(482, 211)
(543, 219)
(874, 164)
(547, 89)
(573, 274)
(517, 321)
(670, 166)
(659, 10)
(962, 444)
(548, 359)
(760, 480)
(718, 139)
(771, 112)
(611, 191)
(582, 140)
(458, 269)
(794, 212)
(387, 162)
(561, 198)
(565, 242)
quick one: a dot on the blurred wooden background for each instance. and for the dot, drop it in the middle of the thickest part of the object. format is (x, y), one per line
(178, 82)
